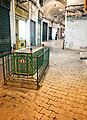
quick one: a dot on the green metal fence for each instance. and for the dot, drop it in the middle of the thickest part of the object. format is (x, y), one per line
(6, 64)
(23, 66)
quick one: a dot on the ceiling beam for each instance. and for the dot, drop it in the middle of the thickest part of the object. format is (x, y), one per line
(62, 1)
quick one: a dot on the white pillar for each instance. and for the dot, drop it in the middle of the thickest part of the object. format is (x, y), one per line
(27, 33)
(12, 22)
(28, 37)
(48, 32)
(41, 30)
(36, 25)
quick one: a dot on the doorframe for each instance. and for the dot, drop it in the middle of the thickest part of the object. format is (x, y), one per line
(34, 31)
(43, 32)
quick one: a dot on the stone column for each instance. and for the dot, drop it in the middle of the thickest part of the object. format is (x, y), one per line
(28, 33)
(41, 30)
(12, 22)
(36, 25)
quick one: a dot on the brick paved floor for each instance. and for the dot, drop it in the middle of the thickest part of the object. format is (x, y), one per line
(63, 95)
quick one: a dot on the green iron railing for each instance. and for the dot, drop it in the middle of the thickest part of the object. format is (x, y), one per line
(25, 65)
(6, 64)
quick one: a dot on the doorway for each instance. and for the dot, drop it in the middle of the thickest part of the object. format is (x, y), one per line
(32, 32)
(45, 25)
(5, 40)
(50, 33)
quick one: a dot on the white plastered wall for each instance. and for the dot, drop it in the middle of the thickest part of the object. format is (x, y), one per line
(54, 30)
(76, 34)
(76, 30)
(74, 2)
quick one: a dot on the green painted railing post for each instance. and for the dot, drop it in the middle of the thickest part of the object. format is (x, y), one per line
(11, 62)
(48, 54)
(3, 68)
(37, 70)
(17, 62)
(6, 68)
(8, 64)
(27, 64)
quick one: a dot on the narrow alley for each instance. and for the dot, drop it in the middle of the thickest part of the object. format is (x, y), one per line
(62, 95)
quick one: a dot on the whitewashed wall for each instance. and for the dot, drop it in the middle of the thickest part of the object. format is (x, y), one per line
(74, 2)
(32, 11)
(75, 31)
(54, 30)
(56, 25)
(76, 34)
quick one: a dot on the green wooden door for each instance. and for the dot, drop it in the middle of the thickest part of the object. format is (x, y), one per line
(5, 41)
(33, 32)
(50, 33)
(45, 25)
